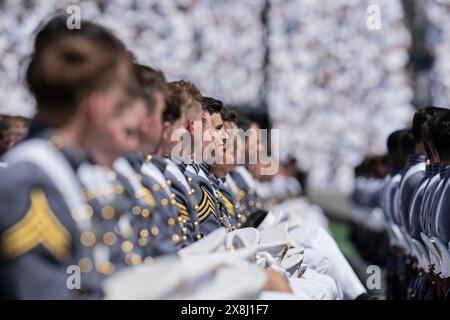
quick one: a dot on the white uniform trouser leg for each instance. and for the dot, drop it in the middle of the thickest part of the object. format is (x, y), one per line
(318, 262)
(315, 237)
(325, 280)
(314, 289)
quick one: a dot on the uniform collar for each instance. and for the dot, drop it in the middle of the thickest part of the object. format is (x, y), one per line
(206, 168)
(414, 159)
(443, 172)
(428, 170)
(435, 168)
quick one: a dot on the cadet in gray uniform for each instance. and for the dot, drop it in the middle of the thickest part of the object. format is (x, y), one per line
(46, 227)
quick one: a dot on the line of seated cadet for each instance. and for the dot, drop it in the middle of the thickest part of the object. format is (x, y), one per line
(412, 240)
(97, 183)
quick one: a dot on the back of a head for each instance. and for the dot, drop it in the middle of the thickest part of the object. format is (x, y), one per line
(432, 114)
(244, 123)
(400, 144)
(177, 101)
(439, 130)
(420, 117)
(151, 81)
(190, 88)
(228, 115)
(211, 105)
(68, 65)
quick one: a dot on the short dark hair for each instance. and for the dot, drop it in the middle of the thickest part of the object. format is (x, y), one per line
(211, 105)
(190, 88)
(244, 123)
(67, 65)
(228, 115)
(400, 144)
(439, 129)
(151, 81)
(176, 99)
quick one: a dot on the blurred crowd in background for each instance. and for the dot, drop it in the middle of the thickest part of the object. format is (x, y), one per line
(333, 87)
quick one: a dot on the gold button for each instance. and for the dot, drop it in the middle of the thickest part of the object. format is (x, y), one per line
(105, 267)
(149, 157)
(127, 246)
(109, 238)
(143, 242)
(164, 202)
(82, 213)
(184, 238)
(196, 223)
(180, 219)
(185, 230)
(156, 187)
(258, 205)
(148, 260)
(89, 211)
(145, 213)
(196, 207)
(87, 239)
(189, 180)
(135, 259)
(136, 210)
(108, 212)
(132, 259)
(89, 195)
(173, 201)
(199, 236)
(85, 265)
(175, 238)
(251, 203)
(155, 231)
(143, 233)
(118, 188)
(171, 222)
(168, 182)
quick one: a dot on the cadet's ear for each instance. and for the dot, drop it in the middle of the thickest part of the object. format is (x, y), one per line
(94, 106)
(165, 129)
(190, 127)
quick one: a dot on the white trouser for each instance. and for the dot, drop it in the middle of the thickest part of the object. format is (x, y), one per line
(326, 281)
(317, 261)
(315, 237)
(314, 289)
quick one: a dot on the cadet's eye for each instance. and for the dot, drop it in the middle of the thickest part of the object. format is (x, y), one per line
(131, 132)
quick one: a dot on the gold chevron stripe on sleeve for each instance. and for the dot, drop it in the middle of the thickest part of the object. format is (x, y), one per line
(38, 226)
(147, 196)
(240, 194)
(206, 206)
(227, 203)
(182, 209)
(206, 198)
(205, 215)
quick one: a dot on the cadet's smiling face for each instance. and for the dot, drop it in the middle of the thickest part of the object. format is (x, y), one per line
(214, 138)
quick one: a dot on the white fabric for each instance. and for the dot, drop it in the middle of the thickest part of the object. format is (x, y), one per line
(316, 238)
